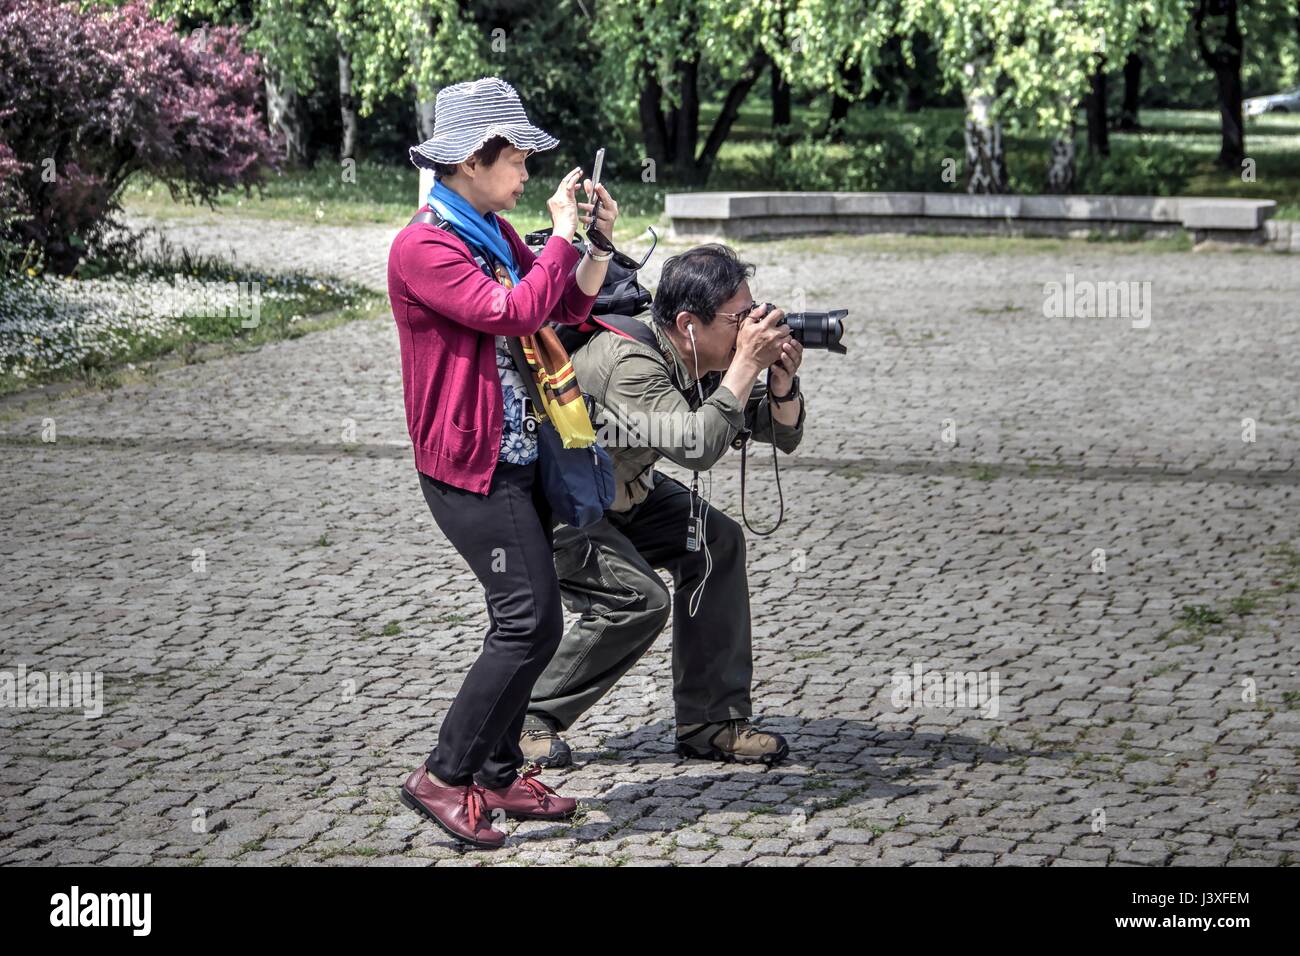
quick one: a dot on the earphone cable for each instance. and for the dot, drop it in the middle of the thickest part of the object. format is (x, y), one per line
(693, 604)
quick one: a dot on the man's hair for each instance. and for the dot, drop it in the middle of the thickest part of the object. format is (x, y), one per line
(487, 154)
(698, 281)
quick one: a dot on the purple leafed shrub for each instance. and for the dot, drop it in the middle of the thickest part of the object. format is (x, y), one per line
(11, 251)
(92, 97)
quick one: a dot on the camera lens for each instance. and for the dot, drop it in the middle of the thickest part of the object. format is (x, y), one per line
(818, 330)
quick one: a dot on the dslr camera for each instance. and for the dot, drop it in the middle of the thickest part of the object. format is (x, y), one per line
(816, 330)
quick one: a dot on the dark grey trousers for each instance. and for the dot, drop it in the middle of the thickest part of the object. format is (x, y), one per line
(607, 577)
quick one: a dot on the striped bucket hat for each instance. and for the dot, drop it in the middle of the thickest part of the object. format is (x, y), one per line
(467, 115)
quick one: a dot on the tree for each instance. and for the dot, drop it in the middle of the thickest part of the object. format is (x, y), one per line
(1128, 115)
(378, 48)
(662, 46)
(658, 51)
(1120, 27)
(837, 46)
(1105, 31)
(290, 41)
(1095, 109)
(850, 77)
(780, 90)
(1018, 63)
(442, 46)
(346, 23)
(643, 37)
(1218, 35)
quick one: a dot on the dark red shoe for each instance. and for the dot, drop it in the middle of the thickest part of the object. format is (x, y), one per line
(461, 811)
(530, 799)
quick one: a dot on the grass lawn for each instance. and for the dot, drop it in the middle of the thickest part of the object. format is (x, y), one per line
(386, 193)
(1272, 140)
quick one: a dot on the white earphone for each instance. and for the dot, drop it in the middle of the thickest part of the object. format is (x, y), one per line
(693, 604)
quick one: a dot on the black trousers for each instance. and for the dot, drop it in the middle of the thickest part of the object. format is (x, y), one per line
(506, 538)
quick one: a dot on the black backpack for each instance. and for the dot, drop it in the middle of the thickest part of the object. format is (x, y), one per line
(620, 293)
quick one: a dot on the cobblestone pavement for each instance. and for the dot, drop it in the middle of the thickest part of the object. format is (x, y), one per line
(265, 708)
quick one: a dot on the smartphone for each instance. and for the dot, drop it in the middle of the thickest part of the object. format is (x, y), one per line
(596, 168)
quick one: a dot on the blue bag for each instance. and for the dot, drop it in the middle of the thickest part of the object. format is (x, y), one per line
(578, 482)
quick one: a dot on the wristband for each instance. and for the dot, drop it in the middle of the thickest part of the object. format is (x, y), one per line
(788, 396)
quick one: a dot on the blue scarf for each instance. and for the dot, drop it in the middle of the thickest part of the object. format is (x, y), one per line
(481, 231)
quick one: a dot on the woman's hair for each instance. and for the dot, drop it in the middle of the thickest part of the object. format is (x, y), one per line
(486, 154)
(698, 281)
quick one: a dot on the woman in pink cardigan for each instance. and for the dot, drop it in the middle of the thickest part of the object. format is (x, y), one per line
(466, 411)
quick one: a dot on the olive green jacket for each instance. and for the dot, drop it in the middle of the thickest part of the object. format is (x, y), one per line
(641, 415)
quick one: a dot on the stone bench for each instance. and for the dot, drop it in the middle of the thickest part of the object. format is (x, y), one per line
(746, 215)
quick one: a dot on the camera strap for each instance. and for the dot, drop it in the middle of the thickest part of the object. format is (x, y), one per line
(776, 471)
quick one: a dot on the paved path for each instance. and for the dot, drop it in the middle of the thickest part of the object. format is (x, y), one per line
(265, 709)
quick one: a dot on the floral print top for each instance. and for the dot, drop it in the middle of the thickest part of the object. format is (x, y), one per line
(517, 446)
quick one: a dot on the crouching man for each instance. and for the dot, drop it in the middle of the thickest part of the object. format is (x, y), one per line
(682, 387)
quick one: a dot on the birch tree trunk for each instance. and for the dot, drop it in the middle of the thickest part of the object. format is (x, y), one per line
(1061, 168)
(421, 30)
(347, 106)
(285, 119)
(986, 159)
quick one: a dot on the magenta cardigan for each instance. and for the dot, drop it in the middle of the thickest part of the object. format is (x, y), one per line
(448, 313)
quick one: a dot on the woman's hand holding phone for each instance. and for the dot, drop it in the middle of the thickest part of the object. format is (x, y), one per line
(606, 214)
(600, 212)
(563, 205)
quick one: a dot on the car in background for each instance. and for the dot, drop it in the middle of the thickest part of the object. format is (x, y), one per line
(1288, 102)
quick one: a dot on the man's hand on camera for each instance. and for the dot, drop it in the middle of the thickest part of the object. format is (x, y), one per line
(785, 367)
(759, 340)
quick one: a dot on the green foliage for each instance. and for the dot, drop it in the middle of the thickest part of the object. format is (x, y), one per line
(1139, 167)
(1023, 65)
(1028, 62)
(559, 92)
(893, 158)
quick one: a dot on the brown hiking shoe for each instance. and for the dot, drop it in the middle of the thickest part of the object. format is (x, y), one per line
(542, 745)
(731, 740)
